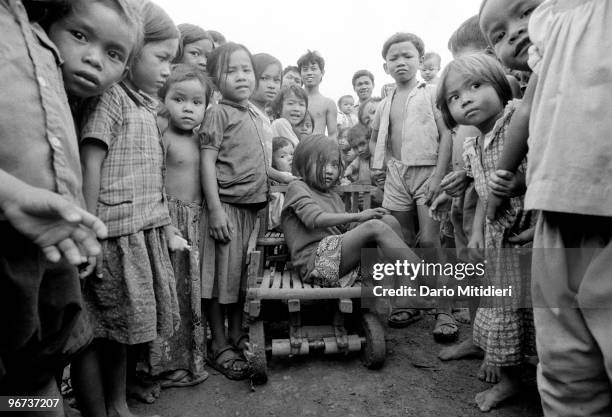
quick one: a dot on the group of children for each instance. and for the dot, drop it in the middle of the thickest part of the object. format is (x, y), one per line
(180, 134)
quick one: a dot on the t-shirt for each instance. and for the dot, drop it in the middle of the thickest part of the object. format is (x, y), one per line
(282, 127)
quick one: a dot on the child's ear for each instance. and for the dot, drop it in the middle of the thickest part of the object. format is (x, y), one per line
(386, 68)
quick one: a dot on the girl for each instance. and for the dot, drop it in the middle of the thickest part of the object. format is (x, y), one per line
(289, 107)
(323, 249)
(185, 95)
(473, 91)
(195, 45)
(347, 153)
(268, 73)
(282, 160)
(132, 297)
(234, 177)
(306, 127)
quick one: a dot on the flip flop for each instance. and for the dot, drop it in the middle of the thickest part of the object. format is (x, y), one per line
(182, 378)
(223, 360)
(448, 321)
(412, 313)
(241, 343)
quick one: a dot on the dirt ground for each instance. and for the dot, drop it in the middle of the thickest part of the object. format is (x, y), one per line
(413, 382)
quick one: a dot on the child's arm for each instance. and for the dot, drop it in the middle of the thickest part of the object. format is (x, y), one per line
(445, 149)
(515, 146)
(93, 153)
(175, 241)
(219, 225)
(477, 237)
(332, 119)
(280, 176)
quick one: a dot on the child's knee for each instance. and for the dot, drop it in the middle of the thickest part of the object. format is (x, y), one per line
(391, 221)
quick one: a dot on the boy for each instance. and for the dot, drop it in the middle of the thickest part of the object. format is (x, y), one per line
(431, 67)
(346, 115)
(291, 76)
(359, 170)
(322, 109)
(40, 298)
(363, 84)
(412, 138)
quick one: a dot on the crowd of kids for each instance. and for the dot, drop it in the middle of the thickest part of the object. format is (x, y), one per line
(135, 162)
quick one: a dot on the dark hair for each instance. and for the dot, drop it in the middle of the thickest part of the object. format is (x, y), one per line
(404, 37)
(306, 117)
(280, 142)
(189, 34)
(262, 61)
(356, 132)
(277, 103)
(343, 97)
(311, 57)
(468, 34)
(310, 157)
(433, 55)
(362, 73)
(475, 68)
(158, 26)
(290, 68)
(362, 106)
(183, 72)
(217, 37)
(218, 61)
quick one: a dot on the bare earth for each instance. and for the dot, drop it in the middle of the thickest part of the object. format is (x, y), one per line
(413, 382)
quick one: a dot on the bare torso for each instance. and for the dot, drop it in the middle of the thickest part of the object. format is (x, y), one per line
(183, 167)
(396, 123)
(319, 108)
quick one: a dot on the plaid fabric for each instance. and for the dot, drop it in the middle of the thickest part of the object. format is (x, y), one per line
(131, 189)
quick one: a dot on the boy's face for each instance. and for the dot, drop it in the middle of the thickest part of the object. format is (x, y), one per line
(152, 66)
(95, 44)
(293, 109)
(363, 87)
(283, 158)
(195, 53)
(504, 24)
(347, 153)
(347, 105)
(311, 74)
(361, 146)
(402, 62)
(430, 69)
(186, 104)
(292, 78)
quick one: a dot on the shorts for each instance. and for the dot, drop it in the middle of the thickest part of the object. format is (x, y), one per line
(326, 272)
(405, 185)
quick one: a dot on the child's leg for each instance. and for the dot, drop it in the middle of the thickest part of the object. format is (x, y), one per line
(216, 320)
(508, 386)
(406, 220)
(87, 381)
(234, 323)
(225, 358)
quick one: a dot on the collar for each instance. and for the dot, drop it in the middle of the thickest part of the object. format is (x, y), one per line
(235, 105)
(140, 97)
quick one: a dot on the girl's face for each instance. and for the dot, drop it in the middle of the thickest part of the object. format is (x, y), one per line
(152, 66)
(304, 129)
(369, 112)
(195, 53)
(331, 172)
(238, 78)
(294, 109)
(472, 102)
(347, 153)
(361, 146)
(283, 158)
(269, 84)
(186, 103)
(504, 24)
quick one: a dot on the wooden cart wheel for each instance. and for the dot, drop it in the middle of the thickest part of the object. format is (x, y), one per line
(375, 350)
(258, 360)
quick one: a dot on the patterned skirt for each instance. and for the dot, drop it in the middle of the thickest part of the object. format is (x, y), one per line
(326, 272)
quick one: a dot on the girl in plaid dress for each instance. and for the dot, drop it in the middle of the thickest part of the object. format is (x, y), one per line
(474, 91)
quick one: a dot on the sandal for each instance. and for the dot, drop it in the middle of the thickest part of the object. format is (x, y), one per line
(242, 343)
(224, 361)
(411, 314)
(182, 378)
(445, 321)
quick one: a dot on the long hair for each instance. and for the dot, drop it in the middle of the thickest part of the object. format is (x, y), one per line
(189, 34)
(310, 157)
(277, 103)
(262, 61)
(218, 60)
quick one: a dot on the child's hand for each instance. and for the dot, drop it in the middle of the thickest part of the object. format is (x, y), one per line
(345, 181)
(176, 243)
(506, 184)
(219, 227)
(523, 237)
(375, 213)
(440, 207)
(378, 177)
(494, 205)
(476, 246)
(286, 177)
(454, 183)
(432, 189)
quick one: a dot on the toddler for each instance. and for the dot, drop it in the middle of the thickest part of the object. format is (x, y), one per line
(282, 159)
(346, 114)
(430, 67)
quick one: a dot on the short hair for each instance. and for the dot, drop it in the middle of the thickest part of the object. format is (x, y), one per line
(218, 60)
(433, 55)
(290, 68)
(404, 37)
(362, 73)
(158, 26)
(310, 157)
(344, 97)
(184, 72)
(280, 142)
(311, 57)
(477, 67)
(468, 34)
(217, 37)
(262, 61)
(277, 103)
(362, 106)
(357, 131)
(189, 34)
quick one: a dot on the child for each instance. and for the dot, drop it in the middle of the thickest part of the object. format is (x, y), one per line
(289, 107)
(347, 153)
(180, 359)
(195, 46)
(431, 67)
(367, 110)
(474, 91)
(323, 249)
(359, 170)
(363, 84)
(268, 71)
(411, 137)
(282, 160)
(132, 300)
(568, 180)
(291, 76)
(306, 127)
(346, 114)
(323, 109)
(235, 183)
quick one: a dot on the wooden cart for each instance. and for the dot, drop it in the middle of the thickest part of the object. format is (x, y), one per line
(271, 281)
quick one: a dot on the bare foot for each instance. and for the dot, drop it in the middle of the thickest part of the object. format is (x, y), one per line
(465, 349)
(144, 392)
(489, 373)
(491, 398)
(122, 411)
(462, 315)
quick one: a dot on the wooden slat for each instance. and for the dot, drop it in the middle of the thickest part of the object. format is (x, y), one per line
(265, 283)
(275, 276)
(286, 280)
(304, 293)
(296, 281)
(355, 202)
